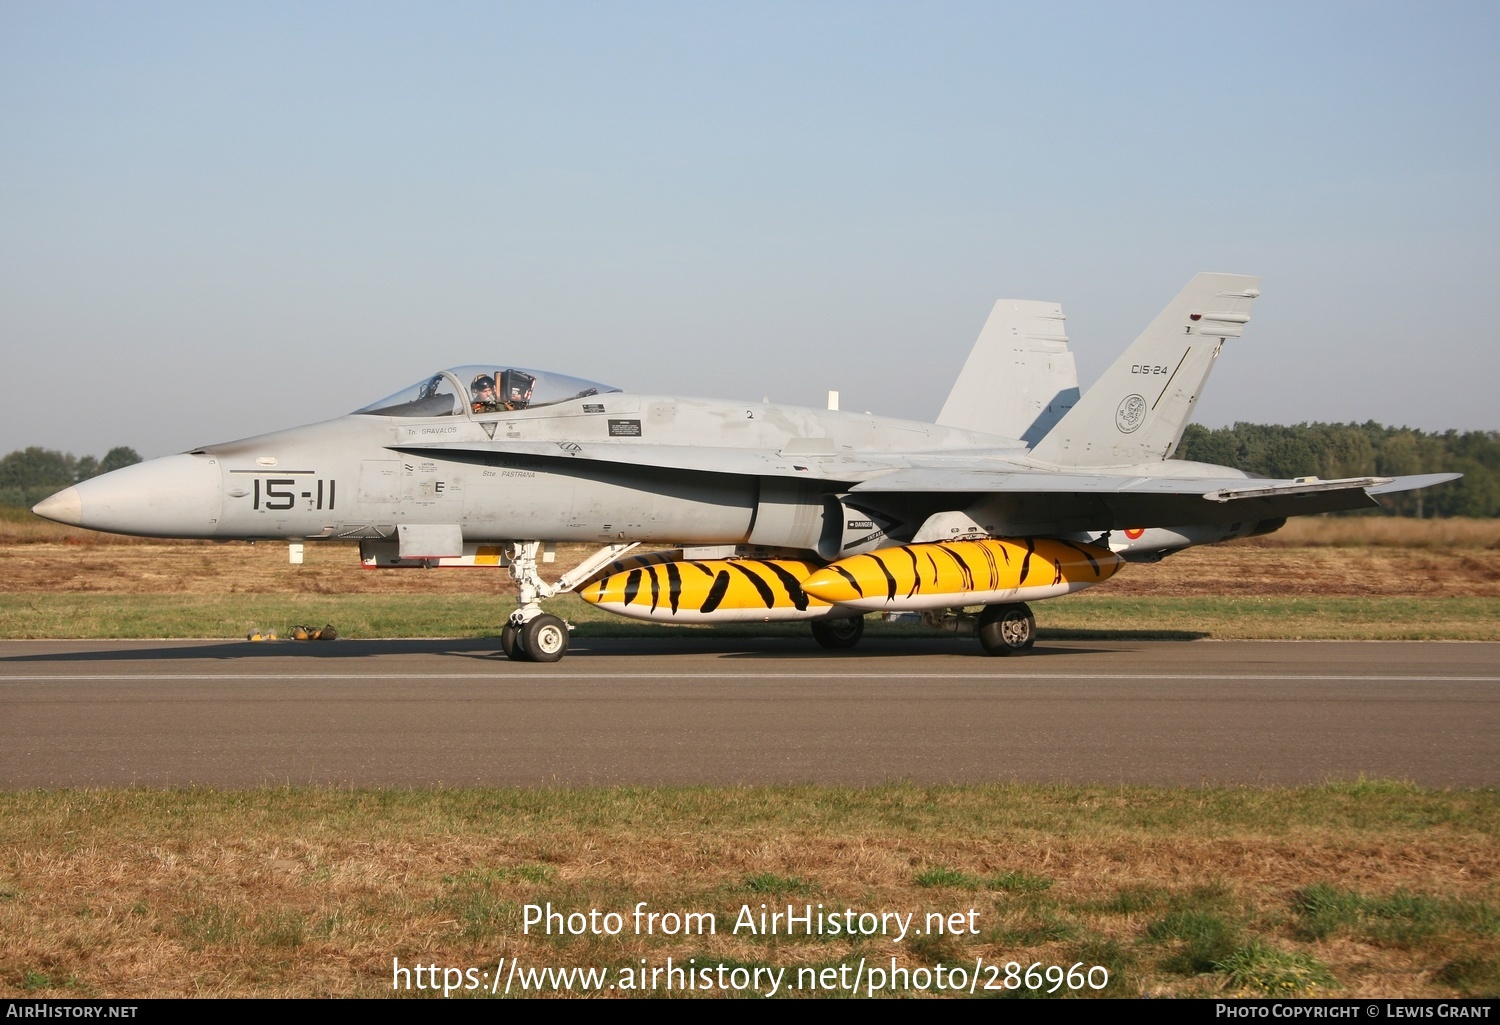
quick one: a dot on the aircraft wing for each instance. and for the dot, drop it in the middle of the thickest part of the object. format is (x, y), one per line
(1215, 489)
(1413, 482)
(1129, 500)
(1046, 499)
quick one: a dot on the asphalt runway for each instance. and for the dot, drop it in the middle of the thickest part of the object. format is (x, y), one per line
(736, 711)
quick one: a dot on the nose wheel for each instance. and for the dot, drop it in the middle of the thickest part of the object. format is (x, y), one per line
(1007, 629)
(543, 638)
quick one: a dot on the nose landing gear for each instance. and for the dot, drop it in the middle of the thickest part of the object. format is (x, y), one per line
(531, 635)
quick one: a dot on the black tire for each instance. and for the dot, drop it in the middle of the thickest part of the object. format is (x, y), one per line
(510, 643)
(838, 632)
(1007, 629)
(544, 639)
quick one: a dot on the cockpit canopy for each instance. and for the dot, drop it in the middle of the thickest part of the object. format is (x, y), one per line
(484, 388)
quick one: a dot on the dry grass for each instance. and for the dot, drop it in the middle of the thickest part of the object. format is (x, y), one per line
(1379, 890)
(1357, 531)
(1248, 569)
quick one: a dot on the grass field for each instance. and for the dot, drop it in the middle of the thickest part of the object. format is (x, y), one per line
(1363, 889)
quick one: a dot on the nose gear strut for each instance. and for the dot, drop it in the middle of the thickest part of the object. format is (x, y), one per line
(529, 634)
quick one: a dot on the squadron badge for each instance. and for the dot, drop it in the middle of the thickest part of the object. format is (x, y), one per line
(1131, 413)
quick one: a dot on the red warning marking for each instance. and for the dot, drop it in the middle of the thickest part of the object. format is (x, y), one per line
(1134, 533)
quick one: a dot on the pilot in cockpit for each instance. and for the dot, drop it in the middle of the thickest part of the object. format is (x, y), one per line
(483, 393)
(515, 389)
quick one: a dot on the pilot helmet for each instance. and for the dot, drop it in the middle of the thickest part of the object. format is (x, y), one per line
(482, 391)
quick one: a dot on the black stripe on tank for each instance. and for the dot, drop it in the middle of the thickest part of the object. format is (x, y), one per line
(794, 587)
(890, 581)
(674, 585)
(632, 586)
(841, 571)
(791, 584)
(989, 558)
(916, 574)
(1026, 562)
(963, 567)
(655, 588)
(716, 592)
(761, 587)
(1081, 551)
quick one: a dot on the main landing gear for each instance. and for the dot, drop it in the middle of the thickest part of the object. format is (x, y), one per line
(531, 635)
(838, 633)
(1002, 629)
(1007, 629)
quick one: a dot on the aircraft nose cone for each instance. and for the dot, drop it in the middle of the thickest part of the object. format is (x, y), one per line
(64, 507)
(175, 496)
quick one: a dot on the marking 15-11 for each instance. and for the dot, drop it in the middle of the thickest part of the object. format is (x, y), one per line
(278, 493)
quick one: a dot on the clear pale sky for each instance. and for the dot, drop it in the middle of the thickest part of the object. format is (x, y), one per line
(222, 219)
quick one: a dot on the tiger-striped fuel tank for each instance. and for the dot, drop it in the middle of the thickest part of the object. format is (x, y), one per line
(708, 591)
(944, 574)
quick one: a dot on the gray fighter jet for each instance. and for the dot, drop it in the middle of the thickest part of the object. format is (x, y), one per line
(1021, 490)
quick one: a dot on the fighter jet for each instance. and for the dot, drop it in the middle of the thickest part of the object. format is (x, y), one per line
(1022, 489)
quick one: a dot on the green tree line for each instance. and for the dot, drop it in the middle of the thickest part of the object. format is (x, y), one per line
(29, 475)
(1331, 451)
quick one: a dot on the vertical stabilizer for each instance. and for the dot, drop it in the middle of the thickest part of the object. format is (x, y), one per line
(1019, 379)
(1136, 412)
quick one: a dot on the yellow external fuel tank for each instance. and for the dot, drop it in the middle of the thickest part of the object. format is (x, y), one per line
(944, 574)
(661, 589)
